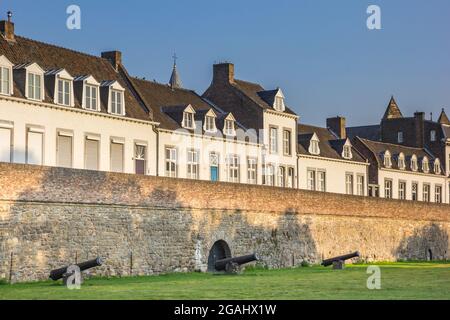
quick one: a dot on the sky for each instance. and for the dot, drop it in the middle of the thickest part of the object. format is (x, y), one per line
(319, 52)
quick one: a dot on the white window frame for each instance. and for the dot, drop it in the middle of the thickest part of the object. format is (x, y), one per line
(291, 177)
(414, 163)
(281, 176)
(252, 170)
(360, 185)
(425, 165)
(269, 175)
(438, 193)
(193, 165)
(388, 188)
(64, 78)
(311, 179)
(32, 87)
(6, 67)
(415, 191)
(233, 168)
(387, 159)
(400, 138)
(117, 102)
(437, 166)
(287, 142)
(349, 183)
(314, 147)
(433, 136)
(172, 161)
(426, 192)
(401, 161)
(229, 126)
(321, 180)
(88, 88)
(402, 187)
(273, 140)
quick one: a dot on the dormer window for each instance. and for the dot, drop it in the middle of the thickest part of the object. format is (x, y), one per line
(116, 97)
(34, 86)
(432, 135)
(88, 90)
(414, 166)
(229, 126)
(425, 165)
(347, 150)
(314, 145)
(188, 120)
(400, 137)
(64, 92)
(210, 122)
(279, 101)
(6, 76)
(91, 97)
(117, 102)
(437, 166)
(401, 161)
(387, 160)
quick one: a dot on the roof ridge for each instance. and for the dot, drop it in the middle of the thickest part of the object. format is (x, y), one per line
(164, 85)
(61, 47)
(392, 144)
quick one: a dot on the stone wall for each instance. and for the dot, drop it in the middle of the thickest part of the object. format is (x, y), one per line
(51, 217)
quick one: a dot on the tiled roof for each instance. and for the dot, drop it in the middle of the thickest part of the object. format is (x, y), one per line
(366, 132)
(53, 58)
(330, 146)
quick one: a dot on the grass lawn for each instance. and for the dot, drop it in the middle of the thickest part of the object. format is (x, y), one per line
(398, 281)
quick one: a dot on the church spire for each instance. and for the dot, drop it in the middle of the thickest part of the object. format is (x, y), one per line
(175, 81)
(443, 119)
(392, 111)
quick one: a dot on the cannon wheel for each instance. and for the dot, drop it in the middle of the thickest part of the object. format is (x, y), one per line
(220, 250)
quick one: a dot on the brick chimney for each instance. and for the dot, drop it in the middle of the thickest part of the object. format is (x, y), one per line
(223, 73)
(419, 129)
(115, 57)
(337, 125)
(7, 28)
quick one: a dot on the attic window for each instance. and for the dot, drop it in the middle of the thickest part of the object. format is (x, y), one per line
(210, 124)
(117, 102)
(347, 151)
(387, 160)
(91, 101)
(425, 165)
(188, 120)
(229, 128)
(432, 135)
(279, 103)
(437, 166)
(314, 145)
(400, 137)
(401, 161)
(414, 166)
(64, 92)
(34, 86)
(5, 76)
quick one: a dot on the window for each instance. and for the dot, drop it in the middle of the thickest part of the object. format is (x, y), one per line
(287, 142)
(269, 175)
(349, 183)
(117, 102)
(400, 137)
(171, 162)
(414, 191)
(387, 160)
(437, 166)
(314, 147)
(388, 188)
(91, 98)
(64, 147)
(5, 81)
(229, 128)
(233, 168)
(273, 140)
(91, 153)
(321, 181)
(5, 144)
(35, 146)
(192, 164)
(117, 156)
(64, 92)
(291, 177)
(210, 124)
(438, 194)
(251, 170)
(311, 174)
(414, 166)
(402, 190)
(401, 161)
(426, 193)
(281, 177)
(34, 86)
(279, 103)
(347, 152)
(425, 165)
(360, 185)
(432, 135)
(140, 159)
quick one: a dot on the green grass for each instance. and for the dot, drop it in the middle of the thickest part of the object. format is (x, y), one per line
(399, 281)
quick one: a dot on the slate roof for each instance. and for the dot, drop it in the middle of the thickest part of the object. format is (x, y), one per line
(392, 111)
(379, 148)
(443, 119)
(175, 80)
(372, 132)
(50, 57)
(330, 146)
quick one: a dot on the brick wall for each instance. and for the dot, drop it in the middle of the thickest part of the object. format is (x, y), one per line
(51, 217)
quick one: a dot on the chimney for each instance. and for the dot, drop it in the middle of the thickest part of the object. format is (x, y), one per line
(419, 129)
(7, 28)
(223, 73)
(337, 125)
(115, 57)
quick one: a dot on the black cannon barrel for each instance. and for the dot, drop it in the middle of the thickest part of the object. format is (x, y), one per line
(59, 273)
(329, 262)
(221, 265)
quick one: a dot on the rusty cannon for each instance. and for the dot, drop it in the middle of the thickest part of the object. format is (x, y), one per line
(339, 262)
(62, 272)
(233, 265)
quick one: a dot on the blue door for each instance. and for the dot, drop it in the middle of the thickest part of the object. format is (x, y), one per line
(214, 174)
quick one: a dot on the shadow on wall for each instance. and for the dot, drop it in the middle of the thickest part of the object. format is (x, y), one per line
(427, 243)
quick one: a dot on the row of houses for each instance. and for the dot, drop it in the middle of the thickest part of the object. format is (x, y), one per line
(63, 108)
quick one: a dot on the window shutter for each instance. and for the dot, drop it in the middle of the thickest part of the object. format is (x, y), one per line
(34, 148)
(64, 151)
(5, 145)
(116, 157)
(91, 154)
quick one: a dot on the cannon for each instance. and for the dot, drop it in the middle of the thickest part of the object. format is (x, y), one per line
(233, 265)
(339, 262)
(62, 272)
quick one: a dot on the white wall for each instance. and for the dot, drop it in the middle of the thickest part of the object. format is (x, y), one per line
(335, 173)
(52, 119)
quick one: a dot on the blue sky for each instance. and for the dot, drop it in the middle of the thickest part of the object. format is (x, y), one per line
(319, 52)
